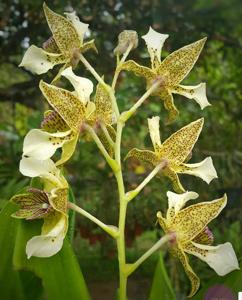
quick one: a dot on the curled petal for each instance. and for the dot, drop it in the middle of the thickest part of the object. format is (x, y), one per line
(58, 199)
(178, 64)
(221, 258)
(64, 33)
(179, 145)
(154, 41)
(68, 149)
(204, 237)
(51, 240)
(42, 145)
(81, 28)
(68, 106)
(197, 92)
(171, 174)
(177, 201)
(190, 221)
(154, 129)
(195, 281)
(205, 170)
(38, 61)
(173, 112)
(83, 86)
(143, 155)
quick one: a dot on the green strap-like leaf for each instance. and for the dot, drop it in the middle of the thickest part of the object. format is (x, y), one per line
(61, 275)
(161, 285)
(10, 282)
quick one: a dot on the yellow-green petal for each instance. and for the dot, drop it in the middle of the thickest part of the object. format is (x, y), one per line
(178, 146)
(103, 102)
(58, 199)
(64, 33)
(176, 66)
(68, 106)
(176, 184)
(138, 70)
(143, 155)
(173, 112)
(189, 222)
(68, 149)
(194, 279)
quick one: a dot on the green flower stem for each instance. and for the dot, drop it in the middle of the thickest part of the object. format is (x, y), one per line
(132, 267)
(100, 80)
(122, 217)
(111, 230)
(112, 163)
(116, 74)
(132, 194)
(107, 135)
(127, 114)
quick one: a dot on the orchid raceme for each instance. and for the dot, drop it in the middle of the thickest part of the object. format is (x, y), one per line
(192, 236)
(175, 150)
(171, 71)
(64, 47)
(91, 112)
(52, 207)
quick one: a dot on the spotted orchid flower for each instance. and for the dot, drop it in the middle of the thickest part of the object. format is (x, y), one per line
(175, 151)
(171, 71)
(64, 47)
(76, 108)
(52, 208)
(192, 236)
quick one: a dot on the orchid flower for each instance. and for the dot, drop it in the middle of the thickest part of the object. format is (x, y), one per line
(171, 71)
(192, 236)
(76, 109)
(64, 47)
(175, 150)
(52, 207)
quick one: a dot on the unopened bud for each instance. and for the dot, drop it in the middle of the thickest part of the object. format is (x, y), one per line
(125, 39)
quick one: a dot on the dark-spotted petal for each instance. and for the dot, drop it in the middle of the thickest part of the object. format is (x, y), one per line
(175, 67)
(68, 106)
(189, 222)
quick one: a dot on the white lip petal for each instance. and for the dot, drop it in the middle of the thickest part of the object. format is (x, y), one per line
(83, 86)
(33, 167)
(154, 42)
(221, 258)
(154, 129)
(38, 61)
(178, 201)
(205, 170)
(81, 28)
(48, 244)
(196, 92)
(42, 145)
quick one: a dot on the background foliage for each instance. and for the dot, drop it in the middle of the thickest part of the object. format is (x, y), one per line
(22, 23)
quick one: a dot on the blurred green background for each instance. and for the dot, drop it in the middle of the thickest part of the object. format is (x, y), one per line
(22, 23)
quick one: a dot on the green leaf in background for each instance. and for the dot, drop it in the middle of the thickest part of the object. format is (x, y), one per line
(10, 281)
(233, 281)
(161, 285)
(61, 275)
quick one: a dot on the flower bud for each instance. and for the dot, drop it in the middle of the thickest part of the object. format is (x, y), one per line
(126, 38)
